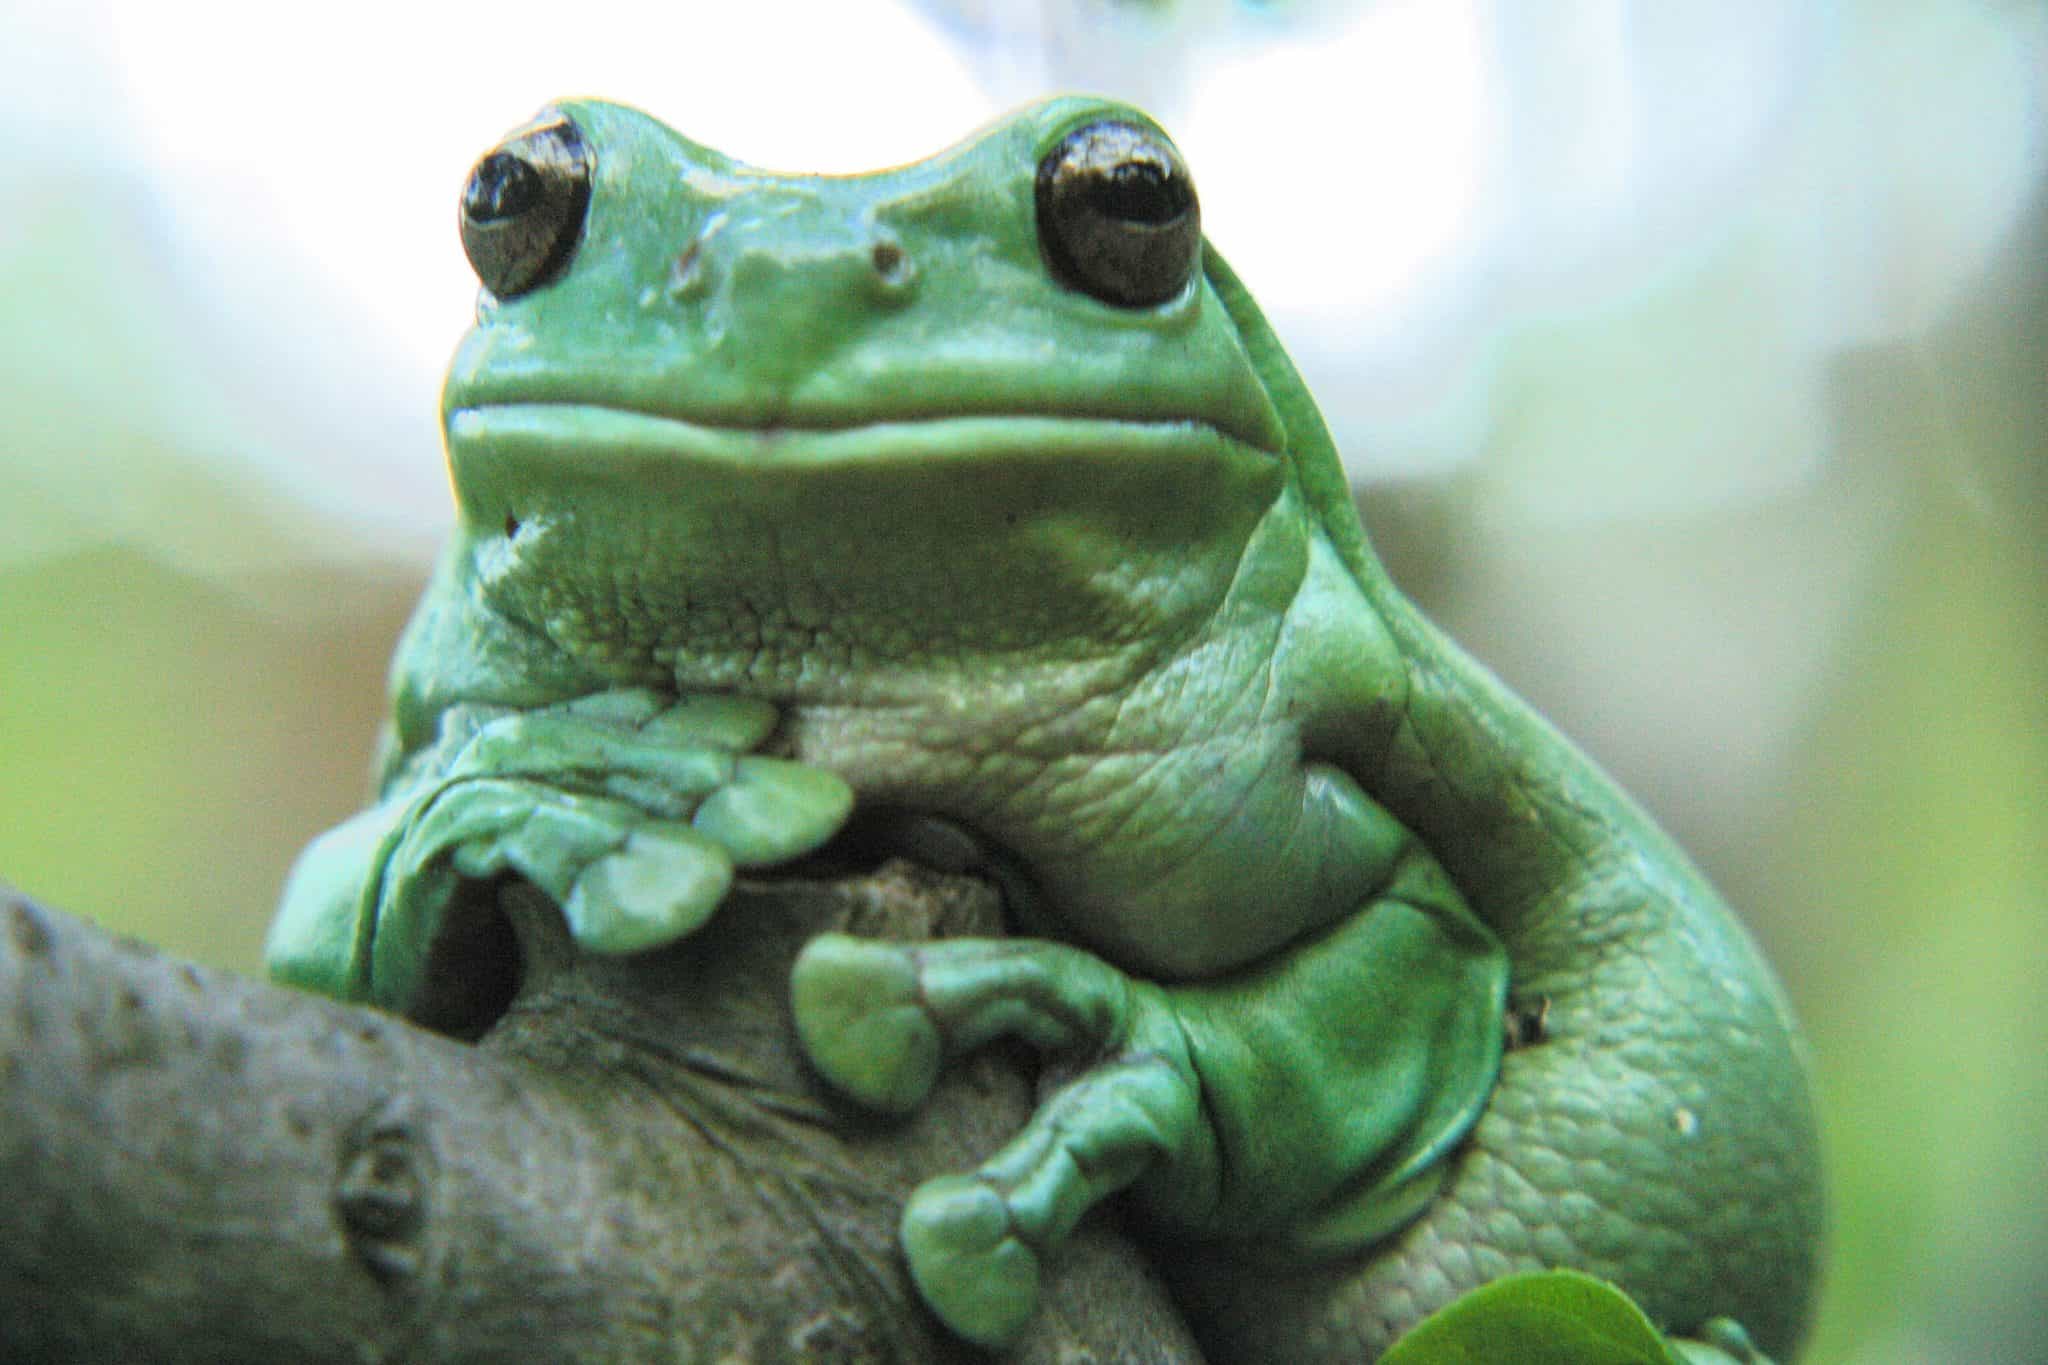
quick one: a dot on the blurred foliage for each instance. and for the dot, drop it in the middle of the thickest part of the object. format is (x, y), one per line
(1918, 833)
(166, 743)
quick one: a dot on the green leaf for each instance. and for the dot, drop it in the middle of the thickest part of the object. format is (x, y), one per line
(1549, 1317)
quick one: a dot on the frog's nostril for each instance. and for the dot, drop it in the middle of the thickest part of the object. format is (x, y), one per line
(895, 272)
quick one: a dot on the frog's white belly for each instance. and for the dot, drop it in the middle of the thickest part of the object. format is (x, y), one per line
(1173, 853)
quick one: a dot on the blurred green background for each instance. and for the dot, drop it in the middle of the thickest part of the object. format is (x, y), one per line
(1694, 358)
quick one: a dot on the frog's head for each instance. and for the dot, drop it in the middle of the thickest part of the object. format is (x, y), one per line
(994, 397)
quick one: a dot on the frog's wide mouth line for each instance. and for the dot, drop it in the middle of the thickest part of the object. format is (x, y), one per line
(592, 431)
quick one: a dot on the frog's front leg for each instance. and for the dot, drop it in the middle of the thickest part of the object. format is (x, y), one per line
(1304, 1102)
(631, 810)
(879, 1020)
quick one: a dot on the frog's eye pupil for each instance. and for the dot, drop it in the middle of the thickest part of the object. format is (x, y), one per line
(502, 186)
(523, 208)
(1117, 214)
(1145, 192)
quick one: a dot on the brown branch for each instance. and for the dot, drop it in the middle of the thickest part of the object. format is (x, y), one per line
(632, 1165)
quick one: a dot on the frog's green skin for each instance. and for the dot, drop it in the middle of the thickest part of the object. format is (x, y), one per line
(1083, 578)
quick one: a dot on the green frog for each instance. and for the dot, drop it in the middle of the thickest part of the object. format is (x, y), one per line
(977, 497)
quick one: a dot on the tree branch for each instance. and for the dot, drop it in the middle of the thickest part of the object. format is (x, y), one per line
(632, 1164)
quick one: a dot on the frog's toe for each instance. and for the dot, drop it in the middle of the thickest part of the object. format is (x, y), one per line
(861, 1016)
(1721, 1341)
(659, 885)
(774, 810)
(967, 1260)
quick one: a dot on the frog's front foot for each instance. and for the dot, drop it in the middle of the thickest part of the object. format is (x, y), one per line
(630, 810)
(878, 1020)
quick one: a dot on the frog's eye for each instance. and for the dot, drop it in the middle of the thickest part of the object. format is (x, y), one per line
(522, 210)
(1117, 216)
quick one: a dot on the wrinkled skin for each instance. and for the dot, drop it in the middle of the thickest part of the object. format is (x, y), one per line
(786, 496)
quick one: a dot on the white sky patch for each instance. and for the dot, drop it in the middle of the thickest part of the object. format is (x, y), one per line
(1342, 171)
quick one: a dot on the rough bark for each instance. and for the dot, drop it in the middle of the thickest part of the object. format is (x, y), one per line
(631, 1164)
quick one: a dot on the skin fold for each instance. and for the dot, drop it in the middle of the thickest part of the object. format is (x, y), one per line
(978, 496)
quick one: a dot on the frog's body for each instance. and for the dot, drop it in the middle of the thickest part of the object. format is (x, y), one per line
(1067, 561)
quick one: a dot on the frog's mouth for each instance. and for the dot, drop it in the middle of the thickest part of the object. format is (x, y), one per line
(565, 436)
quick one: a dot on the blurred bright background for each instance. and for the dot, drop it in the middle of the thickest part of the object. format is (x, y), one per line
(1692, 359)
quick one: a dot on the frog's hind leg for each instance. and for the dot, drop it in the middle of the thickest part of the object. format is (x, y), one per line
(878, 1021)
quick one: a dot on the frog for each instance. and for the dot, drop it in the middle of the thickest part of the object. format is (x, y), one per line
(975, 501)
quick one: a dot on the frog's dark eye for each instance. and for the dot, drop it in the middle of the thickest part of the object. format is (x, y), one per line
(1117, 216)
(522, 210)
